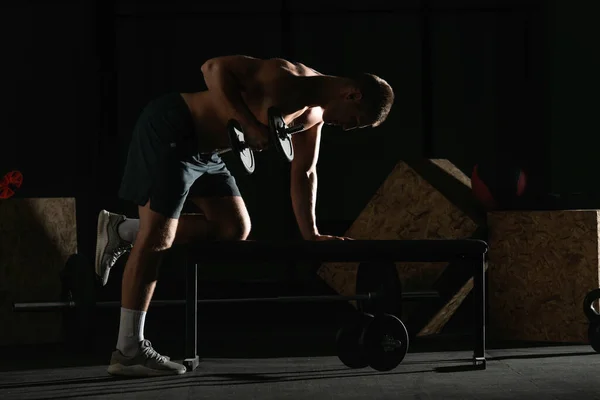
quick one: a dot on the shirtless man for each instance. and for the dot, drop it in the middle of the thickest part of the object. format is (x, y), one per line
(173, 157)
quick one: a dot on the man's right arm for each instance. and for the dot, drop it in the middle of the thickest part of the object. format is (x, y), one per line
(226, 77)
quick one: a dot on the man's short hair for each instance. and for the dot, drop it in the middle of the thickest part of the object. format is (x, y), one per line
(377, 97)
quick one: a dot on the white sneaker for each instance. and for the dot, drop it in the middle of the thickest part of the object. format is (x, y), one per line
(109, 245)
(146, 362)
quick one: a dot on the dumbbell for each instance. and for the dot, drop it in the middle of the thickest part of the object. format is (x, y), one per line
(379, 341)
(280, 137)
(375, 337)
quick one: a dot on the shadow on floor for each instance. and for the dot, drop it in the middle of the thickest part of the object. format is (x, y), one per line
(87, 386)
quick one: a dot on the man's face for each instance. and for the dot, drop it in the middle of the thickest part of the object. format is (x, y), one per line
(345, 112)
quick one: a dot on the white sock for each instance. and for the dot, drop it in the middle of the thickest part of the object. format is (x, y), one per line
(128, 229)
(131, 331)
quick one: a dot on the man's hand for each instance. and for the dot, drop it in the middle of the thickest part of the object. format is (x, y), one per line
(319, 238)
(256, 136)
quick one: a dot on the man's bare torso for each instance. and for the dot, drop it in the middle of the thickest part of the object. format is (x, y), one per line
(272, 85)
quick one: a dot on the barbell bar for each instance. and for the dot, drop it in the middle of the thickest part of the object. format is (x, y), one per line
(61, 305)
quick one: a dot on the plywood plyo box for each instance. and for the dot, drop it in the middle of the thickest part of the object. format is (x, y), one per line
(37, 237)
(541, 266)
(428, 199)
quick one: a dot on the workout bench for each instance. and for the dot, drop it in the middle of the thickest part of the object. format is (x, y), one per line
(470, 252)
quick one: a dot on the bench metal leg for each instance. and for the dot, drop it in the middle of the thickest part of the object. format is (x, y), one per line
(191, 360)
(479, 269)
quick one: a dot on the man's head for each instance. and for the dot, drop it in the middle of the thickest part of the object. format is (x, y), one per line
(361, 101)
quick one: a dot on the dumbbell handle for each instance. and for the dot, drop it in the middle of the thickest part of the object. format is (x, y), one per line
(288, 131)
(222, 151)
(282, 132)
(292, 130)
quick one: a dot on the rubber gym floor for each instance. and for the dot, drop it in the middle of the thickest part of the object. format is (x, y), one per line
(287, 352)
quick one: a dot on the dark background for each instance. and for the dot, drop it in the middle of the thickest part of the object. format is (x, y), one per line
(474, 79)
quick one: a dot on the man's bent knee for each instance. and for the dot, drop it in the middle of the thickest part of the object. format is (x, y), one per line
(156, 240)
(228, 216)
(234, 230)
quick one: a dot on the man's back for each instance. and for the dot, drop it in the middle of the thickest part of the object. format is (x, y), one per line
(260, 84)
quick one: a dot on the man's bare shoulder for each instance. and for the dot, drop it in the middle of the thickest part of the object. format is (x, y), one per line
(309, 118)
(257, 63)
(308, 71)
(296, 68)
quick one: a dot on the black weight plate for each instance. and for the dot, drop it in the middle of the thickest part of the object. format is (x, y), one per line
(286, 147)
(385, 342)
(347, 341)
(381, 277)
(247, 158)
(590, 312)
(241, 151)
(281, 140)
(594, 335)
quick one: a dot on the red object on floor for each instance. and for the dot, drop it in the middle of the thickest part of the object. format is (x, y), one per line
(10, 183)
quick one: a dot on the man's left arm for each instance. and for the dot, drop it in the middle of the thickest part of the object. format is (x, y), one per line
(304, 181)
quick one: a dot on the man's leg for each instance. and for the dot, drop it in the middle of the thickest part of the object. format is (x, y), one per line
(155, 236)
(157, 177)
(227, 216)
(224, 216)
(134, 355)
(117, 234)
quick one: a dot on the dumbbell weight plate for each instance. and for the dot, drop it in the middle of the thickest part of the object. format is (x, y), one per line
(347, 342)
(590, 312)
(280, 139)
(385, 342)
(240, 149)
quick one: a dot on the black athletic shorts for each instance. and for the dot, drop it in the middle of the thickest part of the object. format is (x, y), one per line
(164, 165)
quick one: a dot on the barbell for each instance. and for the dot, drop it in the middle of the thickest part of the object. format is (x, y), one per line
(378, 289)
(380, 340)
(70, 304)
(279, 135)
